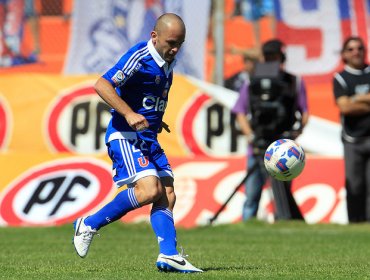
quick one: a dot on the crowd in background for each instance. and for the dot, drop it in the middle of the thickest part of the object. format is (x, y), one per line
(19, 18)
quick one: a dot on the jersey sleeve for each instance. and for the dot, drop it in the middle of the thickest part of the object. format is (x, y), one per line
(125, 68)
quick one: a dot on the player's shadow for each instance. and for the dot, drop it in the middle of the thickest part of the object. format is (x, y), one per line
(231, 268)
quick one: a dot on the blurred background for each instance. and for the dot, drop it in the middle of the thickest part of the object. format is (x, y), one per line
(53, 159)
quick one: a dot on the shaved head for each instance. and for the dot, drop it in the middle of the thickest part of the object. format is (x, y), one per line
(169, 20)
(168, 35)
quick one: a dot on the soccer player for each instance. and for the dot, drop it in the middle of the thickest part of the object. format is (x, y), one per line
(137, 89)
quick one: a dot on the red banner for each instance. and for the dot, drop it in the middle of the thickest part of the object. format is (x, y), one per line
(60, 190)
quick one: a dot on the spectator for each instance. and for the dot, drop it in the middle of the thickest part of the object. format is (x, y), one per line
(352, 94)
(11, 14)
(253, 11)
(236, 81)
(273, 54)
(11, 29)
(32, 16)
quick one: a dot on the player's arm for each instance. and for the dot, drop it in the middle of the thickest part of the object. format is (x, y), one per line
(107, 92)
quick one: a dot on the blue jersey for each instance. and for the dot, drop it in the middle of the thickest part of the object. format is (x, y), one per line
(142, 79)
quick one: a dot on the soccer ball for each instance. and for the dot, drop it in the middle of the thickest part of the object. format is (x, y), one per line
(284, 159)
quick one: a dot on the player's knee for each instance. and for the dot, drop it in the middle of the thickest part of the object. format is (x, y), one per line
(148, 190)
(155, 193)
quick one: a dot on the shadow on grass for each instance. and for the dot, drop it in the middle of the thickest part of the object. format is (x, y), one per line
(230, 268)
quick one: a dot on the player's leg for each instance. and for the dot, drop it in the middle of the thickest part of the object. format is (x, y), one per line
(161, 218)
(169, 259)
(163, 225)
(145, 191)
(130, 164)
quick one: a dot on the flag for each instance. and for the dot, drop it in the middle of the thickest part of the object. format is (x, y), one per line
(102, 31)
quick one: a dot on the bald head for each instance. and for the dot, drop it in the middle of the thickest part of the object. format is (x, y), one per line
(168, 36)
(169, 20)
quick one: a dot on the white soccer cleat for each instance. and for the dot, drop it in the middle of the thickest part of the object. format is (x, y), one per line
(175, 263)
(83, 237)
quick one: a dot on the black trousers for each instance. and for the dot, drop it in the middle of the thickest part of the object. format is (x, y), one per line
(357, 174)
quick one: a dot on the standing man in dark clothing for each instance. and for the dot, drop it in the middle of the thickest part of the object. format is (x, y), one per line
(257, 123)
(352, 95)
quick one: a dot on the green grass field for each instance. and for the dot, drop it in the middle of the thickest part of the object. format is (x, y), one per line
(254, 250)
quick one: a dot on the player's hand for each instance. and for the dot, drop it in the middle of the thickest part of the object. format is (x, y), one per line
(165, 126)
(141, 127)
(137, 122)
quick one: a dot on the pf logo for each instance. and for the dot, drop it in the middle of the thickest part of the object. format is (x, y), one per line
(77, 122)
(4, 124)
(209, 128)
(56, 192)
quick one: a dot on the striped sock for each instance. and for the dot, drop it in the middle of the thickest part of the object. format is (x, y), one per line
(124, 202)
(164, 228)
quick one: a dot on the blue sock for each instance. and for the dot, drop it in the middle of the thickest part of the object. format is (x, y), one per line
(164, 228)
(124, 202)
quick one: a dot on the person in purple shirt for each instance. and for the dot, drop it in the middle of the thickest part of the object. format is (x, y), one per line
(272, 51)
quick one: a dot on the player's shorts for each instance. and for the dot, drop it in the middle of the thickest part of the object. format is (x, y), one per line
(135, 159)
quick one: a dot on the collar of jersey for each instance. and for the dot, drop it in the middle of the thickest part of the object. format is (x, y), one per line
(158, 59)
(356, 71)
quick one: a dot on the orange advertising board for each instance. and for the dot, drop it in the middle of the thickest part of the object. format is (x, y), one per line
(54, 165)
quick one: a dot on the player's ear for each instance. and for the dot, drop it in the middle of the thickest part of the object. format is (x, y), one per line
(154, 36)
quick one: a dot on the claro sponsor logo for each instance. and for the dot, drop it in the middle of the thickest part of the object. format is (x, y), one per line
(4, 124)
(56, 192)
(77, 122)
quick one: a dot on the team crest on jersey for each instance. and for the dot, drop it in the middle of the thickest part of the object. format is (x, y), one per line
(157, 79)
(143, 161)
(118, 77)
